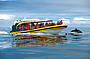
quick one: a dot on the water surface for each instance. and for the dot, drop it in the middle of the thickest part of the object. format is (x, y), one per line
(45, 47)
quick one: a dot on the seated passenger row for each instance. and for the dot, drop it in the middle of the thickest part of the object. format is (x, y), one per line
(38, 25)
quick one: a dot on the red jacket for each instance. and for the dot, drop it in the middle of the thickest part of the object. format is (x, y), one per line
(46, 24)
(32, 26)
(23, 26)
(20, 26)
(61, 22)
(42, 25)
(37, 26)
(28, 26)
(58, 23)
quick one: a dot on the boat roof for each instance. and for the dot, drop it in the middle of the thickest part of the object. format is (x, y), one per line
(32, 21)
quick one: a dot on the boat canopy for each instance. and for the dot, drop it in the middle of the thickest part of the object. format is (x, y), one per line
(31, 21)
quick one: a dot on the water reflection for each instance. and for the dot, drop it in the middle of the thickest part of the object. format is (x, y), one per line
(46, 40)
(35, 40)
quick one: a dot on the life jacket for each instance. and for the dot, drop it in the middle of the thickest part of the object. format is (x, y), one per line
(14, 28)
(58, 23)
(20, 26)
(54, 24)
(28, 26)
(37, 26)
(46, 24)
(61, 22)
(32, 26)
(23, 26)
(42, 25)
(49, 24)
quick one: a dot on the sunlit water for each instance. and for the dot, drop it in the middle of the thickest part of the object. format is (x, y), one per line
(45, 47)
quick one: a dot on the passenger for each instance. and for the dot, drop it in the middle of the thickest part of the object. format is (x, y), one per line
(49, 24)
(54, 24)
(14, 28)
(23, 27)
(20, 26)
(61, 22)
(58, 23)
(28, 26)
(46, 25)
(32, 27)
(42, 25)
(37, 26)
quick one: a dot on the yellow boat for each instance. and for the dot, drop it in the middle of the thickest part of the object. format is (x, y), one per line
(16, 29)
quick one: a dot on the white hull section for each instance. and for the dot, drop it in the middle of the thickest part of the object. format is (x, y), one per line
(54, 31)
(48, 32)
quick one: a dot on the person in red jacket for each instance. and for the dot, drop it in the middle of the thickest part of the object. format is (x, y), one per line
(54, 24)
(28, 26)
(61, 22)
(20, 26)
(23, 26)
(46, 24)
(42, 25)
(58, 23)
(32, 26)
(37, 26)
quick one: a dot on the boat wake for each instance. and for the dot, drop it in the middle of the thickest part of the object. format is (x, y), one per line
(5, 45)
(32, 34)
(3, 32)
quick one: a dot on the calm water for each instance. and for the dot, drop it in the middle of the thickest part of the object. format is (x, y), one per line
(45, 47)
